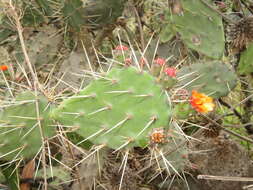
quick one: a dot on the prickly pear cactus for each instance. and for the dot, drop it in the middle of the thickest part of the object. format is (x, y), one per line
(19, 129)
(118, 110)
(200, 27)
(213, 78)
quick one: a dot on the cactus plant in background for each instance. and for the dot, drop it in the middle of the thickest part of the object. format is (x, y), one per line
(43, 47)
(246, 65)
(19, 122)
(93, 14)
(214, 79)
(206, 35)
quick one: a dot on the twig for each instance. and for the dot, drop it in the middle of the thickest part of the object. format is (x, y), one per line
(247, 187)
(227, 130)
(238, 126)
(229, 106)
(247, 7)
(140, 28)
(224, 178)
(247, 106)
(36, 84)
(16, 18)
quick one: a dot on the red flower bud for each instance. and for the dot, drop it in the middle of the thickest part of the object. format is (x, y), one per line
(160, 61)
(170, 71)
(121, 48)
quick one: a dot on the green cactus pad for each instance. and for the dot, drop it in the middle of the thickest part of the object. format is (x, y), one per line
(173, 152)
(246, 63)
(182, 110)
(19, 132)
(117, 110)
(176, 161)
(213, 78)
(200, 28)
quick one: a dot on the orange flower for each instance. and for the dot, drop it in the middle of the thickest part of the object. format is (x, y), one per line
(201, 102)
(3, 67)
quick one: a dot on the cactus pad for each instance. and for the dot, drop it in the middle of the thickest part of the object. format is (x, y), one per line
(118, 110)
(93, 14)
(214, 78)
(246, 64)
(19, 132)
(200, 28)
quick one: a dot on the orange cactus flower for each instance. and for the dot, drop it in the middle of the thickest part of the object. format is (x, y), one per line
(201, 102)
(3, 67)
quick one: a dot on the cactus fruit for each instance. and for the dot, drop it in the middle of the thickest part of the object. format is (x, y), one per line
(206, 35)
(166, 76)
(122, 54)
(167, 81)
(20, 126)
(118, 110)
(214, 79)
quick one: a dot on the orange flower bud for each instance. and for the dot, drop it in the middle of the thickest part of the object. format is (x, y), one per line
(3, 67)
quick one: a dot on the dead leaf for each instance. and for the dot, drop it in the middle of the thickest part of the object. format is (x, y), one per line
(27, 173)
